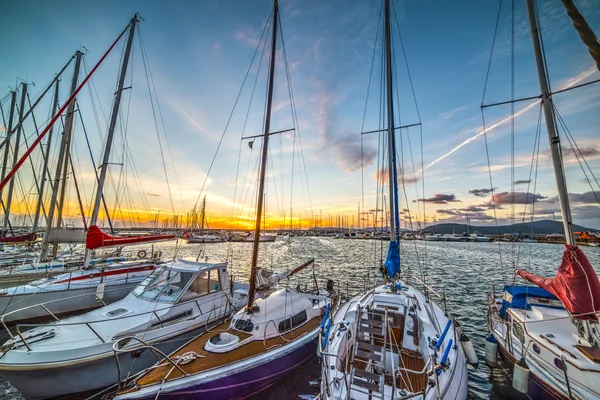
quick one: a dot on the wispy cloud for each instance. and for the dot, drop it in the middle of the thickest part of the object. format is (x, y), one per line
(451, 113)
(571, 82)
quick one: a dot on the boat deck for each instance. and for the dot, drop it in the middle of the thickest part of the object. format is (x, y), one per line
(167, 372)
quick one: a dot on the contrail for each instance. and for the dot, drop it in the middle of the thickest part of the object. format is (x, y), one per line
(571, 82)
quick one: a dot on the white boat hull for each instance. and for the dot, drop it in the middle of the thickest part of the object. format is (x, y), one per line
(99, 372)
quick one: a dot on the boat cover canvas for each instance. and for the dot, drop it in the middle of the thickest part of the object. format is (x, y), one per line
(392, 263)
(575, 284)
(18, 239)
(516, 297)
(96, 238)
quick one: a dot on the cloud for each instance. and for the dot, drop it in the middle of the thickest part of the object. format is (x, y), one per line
(472, 209)
(153, 194)
(450, 114)
(382, 174)
(347, 147)
(584, 198)
(459, 214)
(517, 198)
(440, 198)
(480, 192)
(585, 152)
(523, 182)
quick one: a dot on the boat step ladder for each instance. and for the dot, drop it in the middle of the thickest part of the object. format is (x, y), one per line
(367, 373)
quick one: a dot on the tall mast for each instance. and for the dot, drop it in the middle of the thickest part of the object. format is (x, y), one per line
(38, 208)
(203, 213)
(11, 185)
(557, 162)
(111, 130)
(61, 160)
(13, 103)
(263, 163)
(393, 180)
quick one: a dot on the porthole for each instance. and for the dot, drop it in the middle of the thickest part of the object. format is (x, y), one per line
(536, 348)
(559, 363)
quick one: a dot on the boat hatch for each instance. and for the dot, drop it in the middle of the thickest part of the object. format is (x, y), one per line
(116, 312)
(222, 342)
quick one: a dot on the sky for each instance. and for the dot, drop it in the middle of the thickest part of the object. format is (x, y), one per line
(190, 63)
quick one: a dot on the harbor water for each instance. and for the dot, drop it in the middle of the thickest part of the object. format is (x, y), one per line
(463, 271)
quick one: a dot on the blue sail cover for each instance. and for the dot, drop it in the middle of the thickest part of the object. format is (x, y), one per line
(392, 263)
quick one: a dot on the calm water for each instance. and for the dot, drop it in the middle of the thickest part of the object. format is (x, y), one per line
(464, 271)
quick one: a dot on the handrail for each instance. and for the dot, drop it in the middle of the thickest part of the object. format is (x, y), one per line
(145, 345)
(88, 323)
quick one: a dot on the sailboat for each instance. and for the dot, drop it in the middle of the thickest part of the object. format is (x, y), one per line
(203, 237)
(393, 341)
(267, 339)
(549, 332)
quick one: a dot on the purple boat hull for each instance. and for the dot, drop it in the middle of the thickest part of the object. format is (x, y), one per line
(246, 382)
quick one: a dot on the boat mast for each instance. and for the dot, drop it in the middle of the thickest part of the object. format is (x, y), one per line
(203, 214)
(11, 185)
(61, 160)
(263, 163)
(111, 132)
(393, 180)
(38, 208)
(557, 161)
(13, 103)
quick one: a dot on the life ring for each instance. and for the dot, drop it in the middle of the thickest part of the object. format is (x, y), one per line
(141, 253)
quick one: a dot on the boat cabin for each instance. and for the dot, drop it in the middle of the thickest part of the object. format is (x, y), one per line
(182, 280)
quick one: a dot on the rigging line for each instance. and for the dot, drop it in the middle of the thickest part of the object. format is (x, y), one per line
(162, 156)
(492, 200)
(248, 111)
(39, 98)
(228, 121)
(37, 183)
(78, 194)
(295, 116)
(533, 160)
(162, 120)
(56, 117)
(537, 160)
(487, 74)
(574, 146)
(89, 147)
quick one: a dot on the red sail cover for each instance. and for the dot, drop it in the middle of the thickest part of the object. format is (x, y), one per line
(96, 238)
(18, 239)
(576, 284)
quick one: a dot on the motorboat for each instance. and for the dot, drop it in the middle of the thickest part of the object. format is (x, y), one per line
(73, 291)
(478, 237)
(176, 302)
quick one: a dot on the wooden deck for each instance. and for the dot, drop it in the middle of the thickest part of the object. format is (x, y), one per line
(167, 372)
(408, 380)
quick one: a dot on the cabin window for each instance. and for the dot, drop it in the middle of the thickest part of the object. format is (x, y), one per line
(215, 281)
(244, 325)
(292, 322)
(164, 285)
(518, 332)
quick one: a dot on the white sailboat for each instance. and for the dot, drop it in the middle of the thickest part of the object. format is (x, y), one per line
(392, 341)
(266, 340)
(548, 332)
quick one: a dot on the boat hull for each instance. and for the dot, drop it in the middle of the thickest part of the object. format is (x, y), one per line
(246, 381)
(92, 376)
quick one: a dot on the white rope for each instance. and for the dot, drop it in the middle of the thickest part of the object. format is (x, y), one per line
(186, 358)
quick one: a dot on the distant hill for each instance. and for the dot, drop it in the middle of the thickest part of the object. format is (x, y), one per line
(539, 227)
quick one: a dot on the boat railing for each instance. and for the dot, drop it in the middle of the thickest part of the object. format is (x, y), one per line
(89, 324)
(119, 348)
